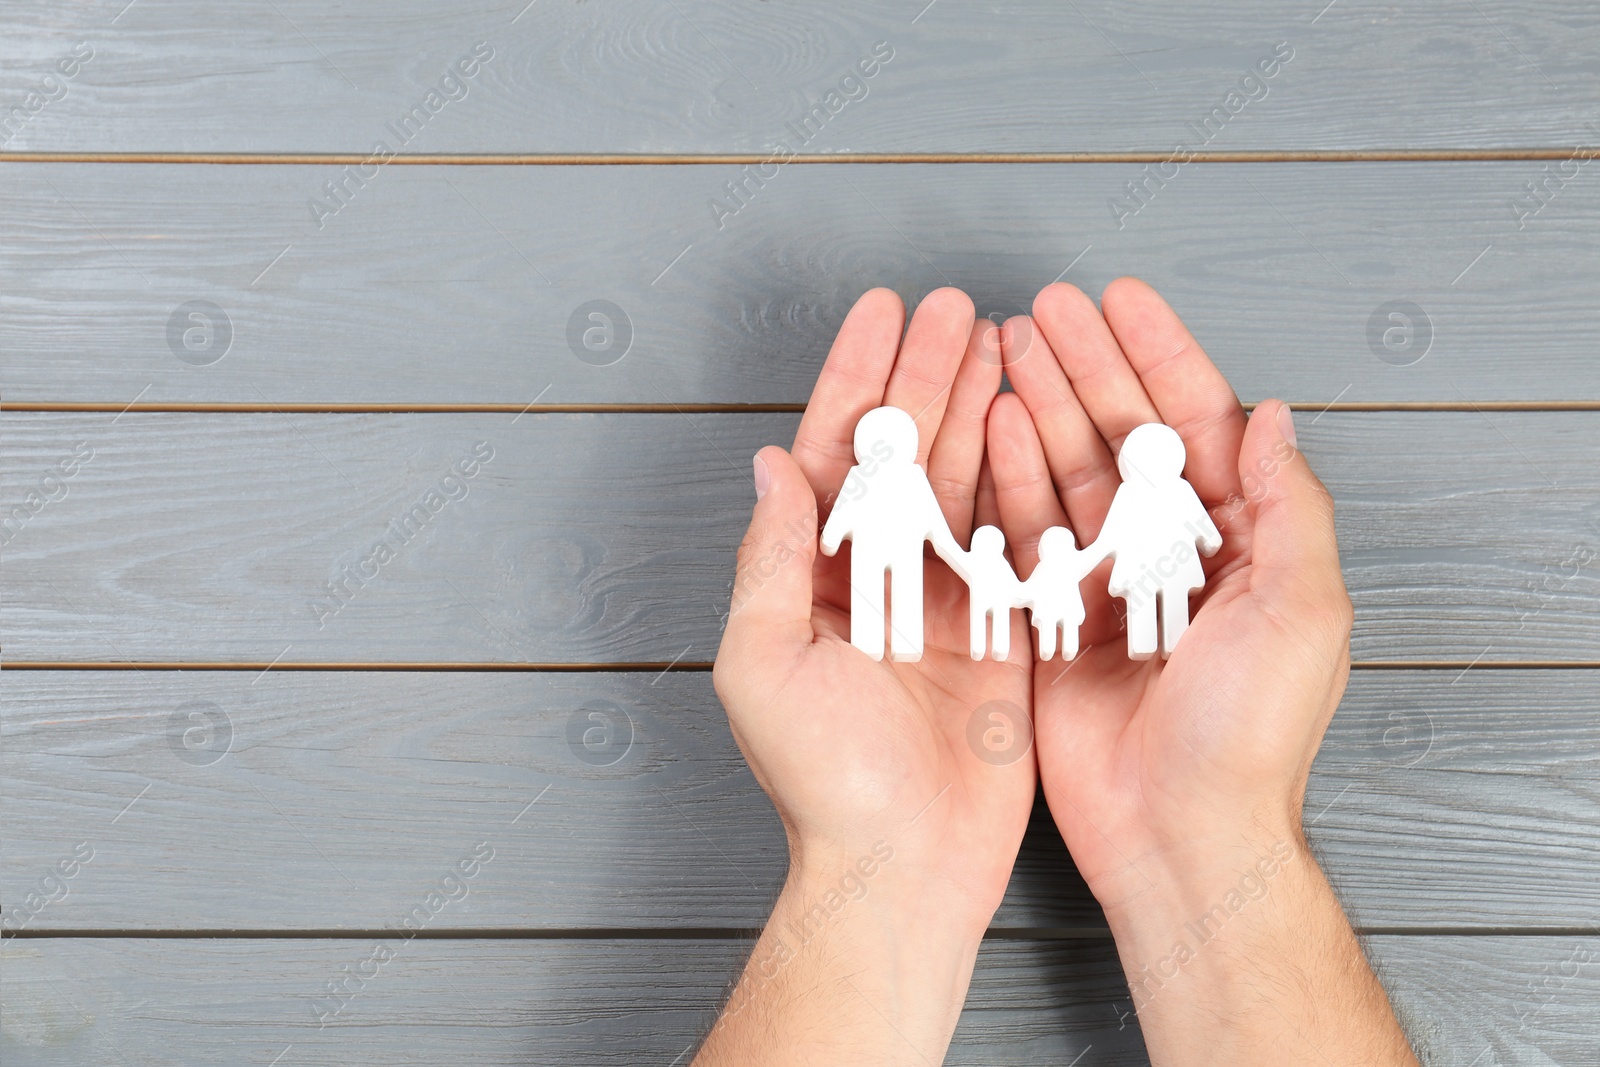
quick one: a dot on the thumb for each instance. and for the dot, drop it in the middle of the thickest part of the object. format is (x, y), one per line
(1293, 545)
(772, 587)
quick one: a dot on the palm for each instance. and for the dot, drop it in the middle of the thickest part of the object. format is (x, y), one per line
(899, 731)
(1118, 736)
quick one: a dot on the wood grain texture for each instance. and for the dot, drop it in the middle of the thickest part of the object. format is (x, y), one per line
(1435, 803)
(1502, 1000)
(716, 75)
(447, 284)
(300, 803)
(610, 538)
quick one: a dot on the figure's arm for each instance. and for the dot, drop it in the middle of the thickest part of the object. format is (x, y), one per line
(1209, 537)
(1094, 554)
(1021, 595)
(958, 560)
(1103, 546)
(838, 526)
(943, 540)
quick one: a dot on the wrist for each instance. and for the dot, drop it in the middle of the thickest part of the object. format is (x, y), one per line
(884, 952)
(1244, 956)
(1209, 931)
(903, 877)
(1162, 870)
(1188, 893)
(881, 884)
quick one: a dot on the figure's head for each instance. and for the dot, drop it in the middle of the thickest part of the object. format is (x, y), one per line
(1152, 453)
(1056, 541)
(886, 435)
(988, 540)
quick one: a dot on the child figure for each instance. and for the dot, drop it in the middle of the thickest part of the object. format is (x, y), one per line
(992, 590)
(1052, 590)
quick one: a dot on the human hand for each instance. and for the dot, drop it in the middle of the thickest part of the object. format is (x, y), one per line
(1178, 784)
(861, 755)
(1147, 764)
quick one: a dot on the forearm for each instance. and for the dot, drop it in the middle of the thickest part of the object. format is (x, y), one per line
(1245, 957)
(851, 968)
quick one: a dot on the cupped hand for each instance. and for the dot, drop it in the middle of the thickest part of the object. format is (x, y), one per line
(852, 751)
(1152, 766)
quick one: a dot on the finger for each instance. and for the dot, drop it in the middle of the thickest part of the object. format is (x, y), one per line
(986, 512)
(925, 369)
(957, 454)
(850, 385)
(1093, 362)
(1023, 491)
(771, 609)
(1082, 467)
(1187, 389)
(1294, 551)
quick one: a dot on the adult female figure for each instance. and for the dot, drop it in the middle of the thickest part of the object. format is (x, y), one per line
(1152, 528)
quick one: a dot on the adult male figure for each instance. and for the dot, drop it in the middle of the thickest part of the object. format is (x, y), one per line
(887, 509)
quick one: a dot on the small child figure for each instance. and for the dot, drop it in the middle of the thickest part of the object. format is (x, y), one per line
(992, 589)
(1052, 590)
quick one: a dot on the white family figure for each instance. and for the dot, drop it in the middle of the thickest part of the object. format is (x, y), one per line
(1151, 530)
(992, 591)
(1052, 590)
(888, 511)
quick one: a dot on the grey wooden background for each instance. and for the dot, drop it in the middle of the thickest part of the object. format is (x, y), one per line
(191, 504)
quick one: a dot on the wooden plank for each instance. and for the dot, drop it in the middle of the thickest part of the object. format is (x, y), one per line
(475, 284)
(1502, 1000)
(507, 1001)
(1470, 803)
(717, 76)
(610, 538)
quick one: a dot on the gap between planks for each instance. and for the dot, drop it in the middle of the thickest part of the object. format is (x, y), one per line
(269, 407)
(694, 933)
(557, 159)
(659, 666)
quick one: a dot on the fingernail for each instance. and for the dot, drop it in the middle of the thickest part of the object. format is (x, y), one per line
(1286, 425)
(763, 476)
